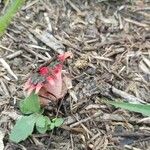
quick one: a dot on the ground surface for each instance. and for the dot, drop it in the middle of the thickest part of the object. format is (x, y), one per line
(111, 45)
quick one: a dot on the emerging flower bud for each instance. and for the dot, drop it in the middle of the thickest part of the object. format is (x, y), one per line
(48, 81)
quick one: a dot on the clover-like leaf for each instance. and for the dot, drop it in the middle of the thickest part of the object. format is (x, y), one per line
(58, 122)
(52, 126)
(30, 104)
(23, 128)
(48, 120)
(41, 124)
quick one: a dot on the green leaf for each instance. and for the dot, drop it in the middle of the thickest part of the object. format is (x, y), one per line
(23, 128)
(52, 126)
(58, 122)
(49, 124)
(41, 124)
(48, 120)
(41, 121)
(30, 104)
(140, 108)
(10, 12)
(41, 130)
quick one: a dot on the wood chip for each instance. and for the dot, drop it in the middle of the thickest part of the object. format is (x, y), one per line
(49, 40)
(147, 61)
(1, 140)
(126, 96)
(7, 67)
(75, 8)
(5, 90)
(13, 55)
(137, 23)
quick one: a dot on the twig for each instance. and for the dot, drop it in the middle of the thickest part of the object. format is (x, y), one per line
(137, 23)
(30, 4)
(102, 58)
(128, 97)
(26, 57)
(143, 9)
(4, 88)
(5, 48)
(7, 67)
(75, 7)
(37, 47)
(89, 48)
(13, 55)
(67, 43)
(86, 119)
(74, 130)
(132, 134)
(84, 127)
(35, 54)
(72, 143)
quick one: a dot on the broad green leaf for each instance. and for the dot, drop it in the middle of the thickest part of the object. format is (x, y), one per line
(140, 108)
(30, 104)
(23, 128)
(58, 122)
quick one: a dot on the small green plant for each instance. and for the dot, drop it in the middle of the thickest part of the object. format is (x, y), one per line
(45, 84)
(33, 118)
(144, 109)
(8, 15)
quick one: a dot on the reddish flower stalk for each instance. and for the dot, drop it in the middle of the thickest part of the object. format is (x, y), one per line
(47, 82)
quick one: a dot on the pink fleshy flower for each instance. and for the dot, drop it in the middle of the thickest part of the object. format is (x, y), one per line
(48, 81)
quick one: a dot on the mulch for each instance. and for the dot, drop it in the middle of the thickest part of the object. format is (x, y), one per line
(110, 42)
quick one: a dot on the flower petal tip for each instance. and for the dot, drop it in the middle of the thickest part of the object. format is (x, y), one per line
(30, 90)
(27, 85)
(64, 56)
(38, 87)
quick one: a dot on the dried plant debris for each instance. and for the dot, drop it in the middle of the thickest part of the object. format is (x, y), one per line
(110, 43)
(1, 140)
